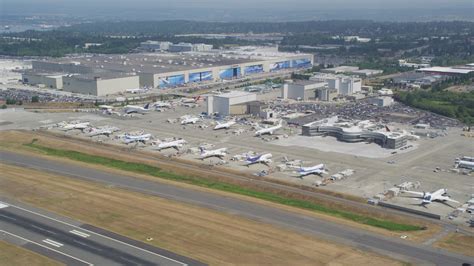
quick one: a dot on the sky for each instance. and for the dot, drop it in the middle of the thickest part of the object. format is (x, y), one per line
(240, 9)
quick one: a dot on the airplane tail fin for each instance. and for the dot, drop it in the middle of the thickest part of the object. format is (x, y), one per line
(147, 106)
(201, 149)
(387, 129)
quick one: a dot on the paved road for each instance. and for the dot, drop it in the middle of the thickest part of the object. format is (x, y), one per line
(74, 243)
(306, 224)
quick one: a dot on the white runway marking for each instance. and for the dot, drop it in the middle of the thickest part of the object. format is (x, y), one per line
(46, 247)
(79, 233)
(53, 243)
(3, 205)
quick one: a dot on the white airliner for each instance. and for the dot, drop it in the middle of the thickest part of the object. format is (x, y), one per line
(225, 125)
(106, 107)
(189, 120)
(219, 153)
(465, 163)
(268, 130)
(138, 138)
(265, 159)
(428, 197)
(71, 126)
(313, 170)
(175, 144)
(161, 104)
(191, 100)
(137, 109)
(106, 131)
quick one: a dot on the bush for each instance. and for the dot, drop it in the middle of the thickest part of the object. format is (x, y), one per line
(35, 99)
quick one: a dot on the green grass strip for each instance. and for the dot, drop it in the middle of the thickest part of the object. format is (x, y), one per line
(141, 168)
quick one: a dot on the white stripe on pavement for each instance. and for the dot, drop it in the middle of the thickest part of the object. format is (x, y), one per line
(3, 205)
(79, 233)
(46, 247)
(53, 243)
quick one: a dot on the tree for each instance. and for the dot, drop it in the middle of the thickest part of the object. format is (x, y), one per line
(35, 99)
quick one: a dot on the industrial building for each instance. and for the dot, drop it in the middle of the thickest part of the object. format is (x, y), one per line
(382, 101)
(100, 85)
(154, 46)
(345, 85)
(340, 69)
(158, 70)
(451, 71)
(232, 103)
(302, 89)
(50, 80)
(357, 131)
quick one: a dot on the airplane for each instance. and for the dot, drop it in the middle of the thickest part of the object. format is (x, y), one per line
(106, 107)
(161, 104)
(191, 100)
(138, 138)
(81, 126)
(175, 144)
(262, 158)
(225, 125)
(189, 120)
(106, 131)
(428, 197)
(464, 164)
(137, 109)
(317, 169)
(136, 91)
(219, 153)
(268, 130)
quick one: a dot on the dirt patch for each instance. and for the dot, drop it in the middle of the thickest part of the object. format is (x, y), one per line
(14, 255)
(209, 236)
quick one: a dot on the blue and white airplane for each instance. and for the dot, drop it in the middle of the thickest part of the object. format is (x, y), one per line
(137, 109)
(313, 170)
(265, 159)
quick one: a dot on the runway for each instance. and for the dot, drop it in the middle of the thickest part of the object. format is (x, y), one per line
(74, 243)
(357, 238)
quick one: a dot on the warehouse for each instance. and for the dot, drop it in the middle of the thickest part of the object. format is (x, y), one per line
(232, 103)
(302, 89)
(345, 85)
(50, 80)
(165, 70)
(100, 85)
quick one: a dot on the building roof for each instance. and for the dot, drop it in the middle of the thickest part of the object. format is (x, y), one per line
(233, 94)
(447, 70)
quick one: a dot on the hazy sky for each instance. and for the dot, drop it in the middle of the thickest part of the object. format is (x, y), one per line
(244, 9)
(326, 4)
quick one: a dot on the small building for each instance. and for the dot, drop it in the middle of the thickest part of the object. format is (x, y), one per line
(232, 103)
(382, 101)
(326, 94)
(422, 126)
(302, 89)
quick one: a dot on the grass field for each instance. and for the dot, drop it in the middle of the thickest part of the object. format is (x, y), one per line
(458, 243)
(157, 172)
(11, 255)
(209, 236)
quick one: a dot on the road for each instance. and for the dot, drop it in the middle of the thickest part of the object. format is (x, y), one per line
(357, 238)
(74, 243)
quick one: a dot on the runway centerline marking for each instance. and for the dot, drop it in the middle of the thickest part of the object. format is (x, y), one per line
(79, 233)
(52, 242)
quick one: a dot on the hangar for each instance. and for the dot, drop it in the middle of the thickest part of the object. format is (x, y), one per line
(232, 103)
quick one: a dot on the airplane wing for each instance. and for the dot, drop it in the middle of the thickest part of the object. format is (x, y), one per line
(414, 192)
(176, 148)
(451, 200)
